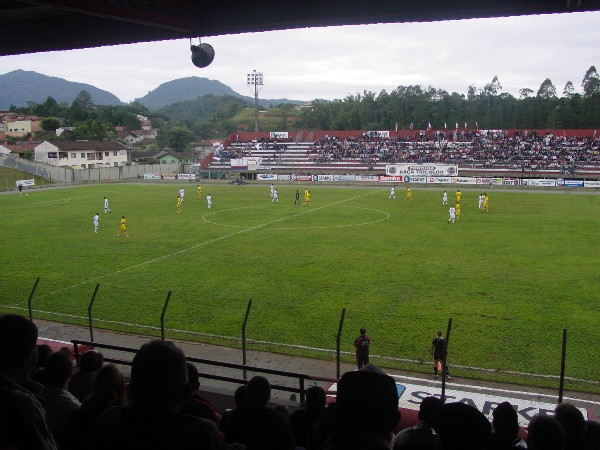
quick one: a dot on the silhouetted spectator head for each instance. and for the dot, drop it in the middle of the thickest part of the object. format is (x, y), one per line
(573, 423)
(91, 361)
(239, 396)
(258, 390)
(193, 377)
(110, 386)
(545, 433)
(460, 427)
(43, 351)
(428, 407)
(592, 434)
(506, 421)
(368, 398)
(315, 398)
(18, 336)
(58, 369)
(159, 376)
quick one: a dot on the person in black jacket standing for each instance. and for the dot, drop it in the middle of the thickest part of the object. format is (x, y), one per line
(362, 344)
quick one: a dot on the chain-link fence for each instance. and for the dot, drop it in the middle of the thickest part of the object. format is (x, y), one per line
(528, 354)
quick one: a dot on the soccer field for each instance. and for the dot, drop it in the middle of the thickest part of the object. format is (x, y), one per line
(510, 279)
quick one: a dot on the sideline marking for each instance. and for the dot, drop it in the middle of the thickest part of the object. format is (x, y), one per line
(387, 216)
(235, 233)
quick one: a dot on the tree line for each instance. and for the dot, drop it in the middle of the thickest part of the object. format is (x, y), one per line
(213, 116)
(489, 107)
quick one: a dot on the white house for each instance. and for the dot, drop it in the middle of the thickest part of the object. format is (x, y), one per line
(85, 154)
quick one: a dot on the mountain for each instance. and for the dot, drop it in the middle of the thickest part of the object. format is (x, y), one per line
(20, 86)
(191, 88)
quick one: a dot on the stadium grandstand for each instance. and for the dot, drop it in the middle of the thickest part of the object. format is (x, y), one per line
(538, 153)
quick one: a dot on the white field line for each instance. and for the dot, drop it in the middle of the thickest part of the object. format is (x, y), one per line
(235, 233)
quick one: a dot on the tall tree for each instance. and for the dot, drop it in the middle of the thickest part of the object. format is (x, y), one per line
(569, 90)
(547, 90)
(591, 82)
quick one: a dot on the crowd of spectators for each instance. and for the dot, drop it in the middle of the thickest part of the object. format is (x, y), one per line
(526, 151)
(161, 408)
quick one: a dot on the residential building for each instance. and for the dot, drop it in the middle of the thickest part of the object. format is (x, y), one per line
(82, 154)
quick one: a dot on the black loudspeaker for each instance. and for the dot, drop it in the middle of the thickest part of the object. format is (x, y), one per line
(202, 55)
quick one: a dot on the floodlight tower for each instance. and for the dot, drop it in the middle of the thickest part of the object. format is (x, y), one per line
(254, 81)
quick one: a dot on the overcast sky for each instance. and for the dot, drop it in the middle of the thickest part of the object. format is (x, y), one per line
(334, 62)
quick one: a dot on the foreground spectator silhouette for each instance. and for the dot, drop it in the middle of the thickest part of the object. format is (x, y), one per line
(22, 417)
(59, 403)
(460, 427)
(302, 420)
(239, 397)
(505, 427)
(545, 433)
(153, 420)
(109, 390)
(366, 412)
(421, 435)
(82, 382)
(256, 425)
(574, 425)
(196, 405)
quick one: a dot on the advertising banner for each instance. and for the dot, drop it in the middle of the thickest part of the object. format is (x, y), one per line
(439, 170)
(378, 134)
(266, 176)
(239, 163)
(152, 176)
(186, 176)
(284, 177)
(300, 177)
(386, 179)
(408, 179)
(278, 135)
(439, 180)
(536, 182)
(344, 178)
(169, 176)
(25, 183)
(371, 178)
(322, 177)
(574, 183)
(591, 184)
(464, 180)
(510, 181)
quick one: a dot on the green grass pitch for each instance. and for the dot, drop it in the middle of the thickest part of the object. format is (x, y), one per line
(511, 280)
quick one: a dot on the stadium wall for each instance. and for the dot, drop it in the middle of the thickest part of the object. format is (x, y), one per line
(68, 175)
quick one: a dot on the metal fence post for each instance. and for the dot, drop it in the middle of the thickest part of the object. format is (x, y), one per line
(244, 336)
(445, 360)
(31, 298)
(90, 312)
(339, 337)
(563, 357)
(162, 316)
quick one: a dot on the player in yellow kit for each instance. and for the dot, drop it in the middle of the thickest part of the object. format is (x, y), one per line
(178, 204)
(123, 228)
(199, 191)
(485, 203)
(408, 194)
(457, 208)
(458, 196)
(307, 197)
